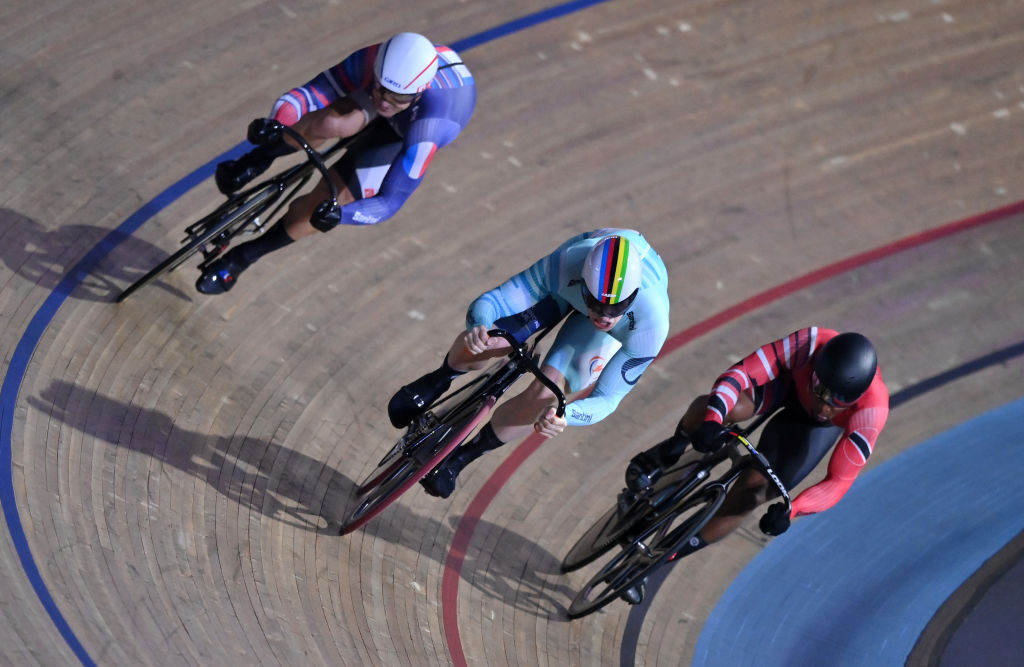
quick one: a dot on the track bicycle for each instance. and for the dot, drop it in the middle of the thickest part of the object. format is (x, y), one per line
(249, 211)
(444, 426)
(652, 526)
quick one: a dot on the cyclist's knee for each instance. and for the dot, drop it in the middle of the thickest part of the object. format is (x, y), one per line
(536, 392)
(745, 496)
(694, 415)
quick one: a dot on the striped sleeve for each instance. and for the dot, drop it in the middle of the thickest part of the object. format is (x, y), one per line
(759, 368)
(848, 459)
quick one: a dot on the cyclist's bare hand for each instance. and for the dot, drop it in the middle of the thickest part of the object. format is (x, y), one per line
(478, 342)
(550, 424)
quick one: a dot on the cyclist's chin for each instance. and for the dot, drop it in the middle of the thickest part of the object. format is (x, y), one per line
(603, 323)
(385, 110)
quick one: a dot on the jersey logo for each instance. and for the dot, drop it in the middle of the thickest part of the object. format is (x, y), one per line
(596, 365)
(418, 158)
(631, 365)
(581, 417)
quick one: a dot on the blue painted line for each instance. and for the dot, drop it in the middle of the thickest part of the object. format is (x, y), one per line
(19, 364)
(637, 615)
(525, 22)
(859, 588)
(991, 359)
(15, 373)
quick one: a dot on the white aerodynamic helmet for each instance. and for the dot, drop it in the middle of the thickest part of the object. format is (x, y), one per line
(406, 63)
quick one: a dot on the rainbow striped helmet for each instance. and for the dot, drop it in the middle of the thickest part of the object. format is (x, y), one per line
(611, 276)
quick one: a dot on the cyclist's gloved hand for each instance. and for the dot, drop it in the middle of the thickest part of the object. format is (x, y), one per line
(708, 437)
(776, 520)
(264, 131)
(326, 217)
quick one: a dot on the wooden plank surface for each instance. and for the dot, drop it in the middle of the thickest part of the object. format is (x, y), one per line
(181, 463)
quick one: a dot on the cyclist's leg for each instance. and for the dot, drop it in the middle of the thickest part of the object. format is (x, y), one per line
(794, 445)
(357, 173)
(646, 467)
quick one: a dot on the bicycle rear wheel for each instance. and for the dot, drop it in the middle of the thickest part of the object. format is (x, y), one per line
(399, 470)
(615, 523)
(648, 551)
(228, 218)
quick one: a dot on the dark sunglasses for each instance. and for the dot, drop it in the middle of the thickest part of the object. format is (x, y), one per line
(609, 310)
(393, 97)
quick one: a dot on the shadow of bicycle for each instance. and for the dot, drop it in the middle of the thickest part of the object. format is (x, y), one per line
(76, 260)
(302, 492)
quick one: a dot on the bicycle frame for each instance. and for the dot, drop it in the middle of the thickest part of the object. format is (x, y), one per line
(657, 524)
(242, 211)
(733, 450)
(426, 444)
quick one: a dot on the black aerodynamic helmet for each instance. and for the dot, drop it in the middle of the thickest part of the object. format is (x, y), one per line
(844, 369)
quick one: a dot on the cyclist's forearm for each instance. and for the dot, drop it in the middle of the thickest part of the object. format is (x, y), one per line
(318, 126)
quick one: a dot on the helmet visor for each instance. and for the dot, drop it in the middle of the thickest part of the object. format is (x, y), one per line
(828, 396)
(610, 310)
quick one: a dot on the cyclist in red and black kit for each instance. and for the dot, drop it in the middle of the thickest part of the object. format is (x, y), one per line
(827, 390)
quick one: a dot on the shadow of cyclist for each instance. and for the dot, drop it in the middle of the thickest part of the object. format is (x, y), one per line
(47, 257)
(302, 492)
(275, 481)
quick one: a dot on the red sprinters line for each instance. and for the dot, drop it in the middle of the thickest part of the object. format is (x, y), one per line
(468, 523)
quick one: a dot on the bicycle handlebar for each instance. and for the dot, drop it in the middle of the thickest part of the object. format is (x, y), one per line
(519, 352)
(315, 158)
(764, 465)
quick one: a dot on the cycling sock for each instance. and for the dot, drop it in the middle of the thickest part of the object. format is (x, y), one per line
(273, 239)
(441, 377)
(447, 371)
(667, 452)
(483, 442)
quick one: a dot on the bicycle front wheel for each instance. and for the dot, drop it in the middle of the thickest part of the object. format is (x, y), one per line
(229, 217)
(399, 470)
(657, 545)
(619, 521)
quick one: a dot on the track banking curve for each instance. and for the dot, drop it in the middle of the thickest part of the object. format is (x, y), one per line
(463, 533)
(42, 318)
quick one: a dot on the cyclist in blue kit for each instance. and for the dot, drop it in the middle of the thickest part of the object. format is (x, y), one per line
(612, 289)
(404, 98)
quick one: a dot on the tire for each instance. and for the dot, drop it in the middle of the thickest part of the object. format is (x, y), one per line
(230, 216)
(607, 530)
(649, 551)
(395, 475)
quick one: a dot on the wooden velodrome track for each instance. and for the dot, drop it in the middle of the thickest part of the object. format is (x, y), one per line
(176, 466)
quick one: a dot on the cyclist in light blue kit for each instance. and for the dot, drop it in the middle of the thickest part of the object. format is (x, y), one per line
(614, 289)
(405, 98)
